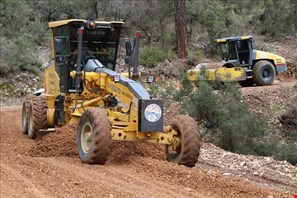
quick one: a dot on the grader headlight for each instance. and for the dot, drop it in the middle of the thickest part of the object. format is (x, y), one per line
(150, 115)
(153, 112)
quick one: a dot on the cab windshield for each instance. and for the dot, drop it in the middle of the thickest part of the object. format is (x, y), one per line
(102, 42)
(228, 51)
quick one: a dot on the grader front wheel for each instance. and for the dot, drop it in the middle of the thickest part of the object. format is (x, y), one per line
(186, 146)
(94, 137)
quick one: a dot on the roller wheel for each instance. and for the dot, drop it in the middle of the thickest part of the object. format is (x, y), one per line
(263, 73)
(37, 115)
(25, 113)
(94, 136)
(185, 150)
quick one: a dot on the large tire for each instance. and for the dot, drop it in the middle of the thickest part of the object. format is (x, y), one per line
(25, 113)
(187, 152)
(263, 73)
(37, 115)
(94, 136)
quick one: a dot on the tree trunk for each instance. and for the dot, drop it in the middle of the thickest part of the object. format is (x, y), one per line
(96, 10)
(181, 28)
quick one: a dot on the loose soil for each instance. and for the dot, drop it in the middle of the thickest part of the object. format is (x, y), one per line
(51, 168)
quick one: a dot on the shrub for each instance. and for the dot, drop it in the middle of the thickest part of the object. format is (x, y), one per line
(150, 56)
(194, 56)
(288, 152)
(18, 54)
(161, 90)
(227, 119)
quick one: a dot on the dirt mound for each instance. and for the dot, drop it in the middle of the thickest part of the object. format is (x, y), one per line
(63, 143)
(289, 120)
(59, 143)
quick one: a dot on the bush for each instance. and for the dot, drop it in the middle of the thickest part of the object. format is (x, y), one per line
(228, 121)
(18, 54)
(288, 152)
(162, 90)
(287, 146)
(150, 56)
(194, 56)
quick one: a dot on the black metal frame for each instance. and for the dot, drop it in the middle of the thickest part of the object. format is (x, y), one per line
(66, 82)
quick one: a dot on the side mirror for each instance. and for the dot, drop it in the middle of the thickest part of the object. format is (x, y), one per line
(128, 47)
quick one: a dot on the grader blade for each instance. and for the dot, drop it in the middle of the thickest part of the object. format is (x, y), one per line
(43, 132)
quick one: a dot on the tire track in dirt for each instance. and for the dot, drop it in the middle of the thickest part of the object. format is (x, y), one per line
(117, 177)
(26, 187)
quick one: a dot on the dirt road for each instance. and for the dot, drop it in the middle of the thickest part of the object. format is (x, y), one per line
(139, 173)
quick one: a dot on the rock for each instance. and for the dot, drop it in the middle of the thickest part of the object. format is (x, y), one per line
(255, 173)
(227, 174)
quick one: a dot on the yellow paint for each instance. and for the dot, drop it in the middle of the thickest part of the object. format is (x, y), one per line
(166, 137)
(65, 22)
(221, 40)
(221, 74)
(246, 37)
(74, 120)
(261, 55)
(230, 74)
(205, 74)
(50, 117)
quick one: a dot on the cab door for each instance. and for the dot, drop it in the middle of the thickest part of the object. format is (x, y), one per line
(61, 60)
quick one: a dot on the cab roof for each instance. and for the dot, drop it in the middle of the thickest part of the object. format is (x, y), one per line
(237, 38)
(65, 22)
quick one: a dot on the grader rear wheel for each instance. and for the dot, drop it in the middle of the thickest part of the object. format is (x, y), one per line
(94, 137)
(25, 112)
(186, 147)
(37, 116)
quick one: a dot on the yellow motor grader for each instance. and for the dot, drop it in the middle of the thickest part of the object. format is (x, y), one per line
(241, 63)
(81, 87)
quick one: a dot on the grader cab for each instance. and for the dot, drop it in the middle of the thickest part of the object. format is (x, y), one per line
(81, 87)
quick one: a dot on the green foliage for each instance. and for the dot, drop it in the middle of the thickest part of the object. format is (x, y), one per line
(288, 146)
(18, 54)
(284, 22)
(150, 56)
(287, 151)
(19, 37)
(228, 120)
(162, 90)
(7, 88)
(168, 39)
(195, 55)
(215, 19)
